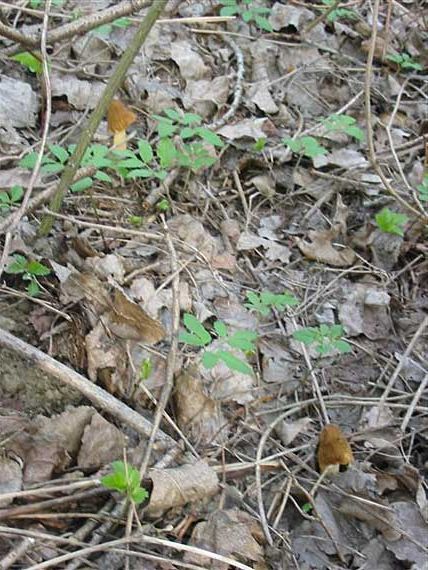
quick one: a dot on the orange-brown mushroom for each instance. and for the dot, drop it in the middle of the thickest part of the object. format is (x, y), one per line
(119, 118)
(333, 449)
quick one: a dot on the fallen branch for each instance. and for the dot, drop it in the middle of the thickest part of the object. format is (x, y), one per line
(94, 393)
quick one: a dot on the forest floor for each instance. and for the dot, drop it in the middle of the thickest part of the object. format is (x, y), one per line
(214, 351)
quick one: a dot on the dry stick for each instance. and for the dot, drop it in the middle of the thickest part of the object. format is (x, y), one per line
(416, 398)
(68, 376)
(370, 141)
(100, 110)
(16, 217)
(18, 551)
(78, 27)
(400, 365)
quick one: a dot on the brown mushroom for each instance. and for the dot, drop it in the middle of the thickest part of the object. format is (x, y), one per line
(119, 118)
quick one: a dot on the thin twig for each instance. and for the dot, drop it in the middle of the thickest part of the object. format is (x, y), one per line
(368, 113)
(414, 402)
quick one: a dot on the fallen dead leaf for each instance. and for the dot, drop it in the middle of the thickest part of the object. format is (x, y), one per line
(321, 248)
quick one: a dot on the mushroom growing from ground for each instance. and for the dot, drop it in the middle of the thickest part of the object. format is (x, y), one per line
(119, 118)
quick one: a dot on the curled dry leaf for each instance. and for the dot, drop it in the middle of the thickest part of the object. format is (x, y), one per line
(321, 249)
(333, 448)
(119, 118)
(176, 487)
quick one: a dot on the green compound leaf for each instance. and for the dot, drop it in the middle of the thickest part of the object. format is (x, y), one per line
(391, 222)
(307, 146)
(307, 335)
(37, 268)
(220, 328)
(234, 363)
(82, 184)
(28, 60)
(145, 151)
(198, 335)
(244, 340)
(210, 359)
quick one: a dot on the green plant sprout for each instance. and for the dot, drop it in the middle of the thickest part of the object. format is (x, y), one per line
(126, 480)
(137, 165)
(10, 198)
(198, 335)
(391, 222)
(29, 61)
(30, 271)
(339, 13)
(260, 144)
(247, 12)
(423, 189)
(266, 301)
(306, 146)
(186, 125)
(163, 205)
(404, 61)
(106, 29)
(146, 368)
(324, 338)
(343, 124)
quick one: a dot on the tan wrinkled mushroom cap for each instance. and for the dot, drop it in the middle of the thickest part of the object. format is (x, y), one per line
(119, 118)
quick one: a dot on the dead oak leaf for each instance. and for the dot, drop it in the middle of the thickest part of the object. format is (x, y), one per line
(321, 248)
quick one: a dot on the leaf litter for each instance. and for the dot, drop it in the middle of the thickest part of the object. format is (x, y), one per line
(301, 222)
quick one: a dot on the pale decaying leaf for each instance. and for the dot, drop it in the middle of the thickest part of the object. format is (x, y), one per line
(253, 129)
(232, 533)
(102, 443)
(176, 487)
(10, 477)
(290, 430)
(283, 16)
(191, 64)
(18, 103)
(321, 248)
(198, 415)
(81, 94)
(377, 515)
(204, 97)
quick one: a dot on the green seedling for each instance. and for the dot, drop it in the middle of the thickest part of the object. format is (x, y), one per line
(186, 126)
(10, 198)
(163, 205)
(198, 335)
(126, 480)
(136, 221)
(306, 146)
(391, 222)
(140, 164)
(146, 368)
(343, 124)
(259, 145)
(264, 302)
(248, 12)
(404, 61)
(339, 13)
(324, 338)
(30, 271)
(307, 508)
(423, 189)
(106, 29)
(29, 61)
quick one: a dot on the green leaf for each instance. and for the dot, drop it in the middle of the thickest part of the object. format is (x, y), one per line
(187, 133)
(33, 288)
(306, 335)
(146, 369)
(60, 153)
(235, 363)
(16, 193)
(229, 11)
(197, 328)
(18, 265)
(139, 495)
(191, 119)
(132, 163)
(28, 60)
(244, 340)
(308, 146)
(191, 339)
(140, 173)
(28, 161)
(343, 346)
(263, 23)
(210, 359)
(167, 153)
(145, 150)
(173, 114)
(166, 128)
(122, 22)
(423, 190)
(82, 184)
(220, 328)
(102, 176)
(209, 136)
(37, 268)
(391, 222)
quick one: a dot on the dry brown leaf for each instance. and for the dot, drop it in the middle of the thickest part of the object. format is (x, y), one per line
(321, 249)
(176, 487)
(333, 448)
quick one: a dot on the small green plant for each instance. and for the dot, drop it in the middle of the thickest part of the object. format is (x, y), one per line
(187, 126)
(248, 12)
(307, 507)
(260, 144)
(141, 164)
(343, 124)
(306, 146)
(198, 335)
(324, 338)
(146, 369)
(404, 61)
(30, 271)
(339, 13)
(10, 198)
(265, 301)
(391, 222)
(126, 480)
(29, 61)
(423, 189)
(106, 29)
(163, 205)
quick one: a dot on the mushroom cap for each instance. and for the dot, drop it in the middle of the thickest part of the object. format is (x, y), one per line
(334, 448)
(119, 117)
